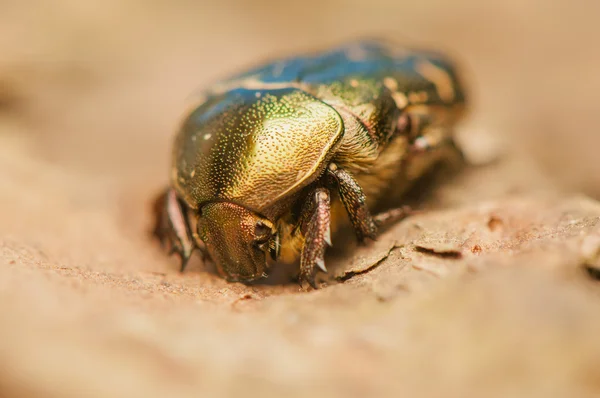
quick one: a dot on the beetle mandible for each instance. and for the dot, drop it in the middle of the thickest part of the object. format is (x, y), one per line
(275, 160)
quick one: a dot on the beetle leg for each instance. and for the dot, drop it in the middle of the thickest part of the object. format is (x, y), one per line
(172, 226)
(426, 135)
(440, 140)
(430, 140)
(392, 216)
(316, 230)
(354, 201)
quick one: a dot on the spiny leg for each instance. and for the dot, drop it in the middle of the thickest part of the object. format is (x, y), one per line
(172, 226)
(353, 199)
(315, 226)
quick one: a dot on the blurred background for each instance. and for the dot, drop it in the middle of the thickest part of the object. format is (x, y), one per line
(98, 87)
(91, 93)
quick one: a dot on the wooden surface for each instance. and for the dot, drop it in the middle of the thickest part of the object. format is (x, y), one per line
(486, 293)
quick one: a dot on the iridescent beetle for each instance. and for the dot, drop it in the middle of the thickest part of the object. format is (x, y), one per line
(275, 160)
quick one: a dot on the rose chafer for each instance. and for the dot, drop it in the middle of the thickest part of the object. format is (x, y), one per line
(277, 160)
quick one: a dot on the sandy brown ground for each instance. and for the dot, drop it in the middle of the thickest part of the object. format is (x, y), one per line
(485, 294)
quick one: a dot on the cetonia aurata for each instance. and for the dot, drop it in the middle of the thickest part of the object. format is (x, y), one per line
(273, 162)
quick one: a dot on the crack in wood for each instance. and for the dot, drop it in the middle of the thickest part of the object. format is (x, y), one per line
(439, 252)
(352, 273)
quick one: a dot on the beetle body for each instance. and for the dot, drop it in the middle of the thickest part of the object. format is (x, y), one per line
(274, 159)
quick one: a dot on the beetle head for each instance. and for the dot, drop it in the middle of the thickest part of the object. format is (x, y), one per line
(237, 240)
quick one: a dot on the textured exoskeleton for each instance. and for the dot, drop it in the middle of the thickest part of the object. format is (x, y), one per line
(263, 164)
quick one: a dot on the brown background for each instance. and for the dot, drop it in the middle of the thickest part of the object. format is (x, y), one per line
(90, 95)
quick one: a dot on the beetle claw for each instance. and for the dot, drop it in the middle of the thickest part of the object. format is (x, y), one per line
(321, 264)
(308, 277)
(316, 236)
(184, 261)
(311, 282)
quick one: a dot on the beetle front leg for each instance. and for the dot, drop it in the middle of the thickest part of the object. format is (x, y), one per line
(315, 226)
(353, 199)
(172, 226)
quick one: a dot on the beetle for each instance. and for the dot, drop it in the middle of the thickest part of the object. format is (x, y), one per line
(275, 161)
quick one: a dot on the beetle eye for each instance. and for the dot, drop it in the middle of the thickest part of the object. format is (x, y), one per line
(262, 232)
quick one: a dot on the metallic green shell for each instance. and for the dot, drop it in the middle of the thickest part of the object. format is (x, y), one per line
(373, 79)
(264, 134)
(253, 147)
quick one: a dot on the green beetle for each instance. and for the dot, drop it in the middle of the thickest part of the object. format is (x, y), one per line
(276, 160)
